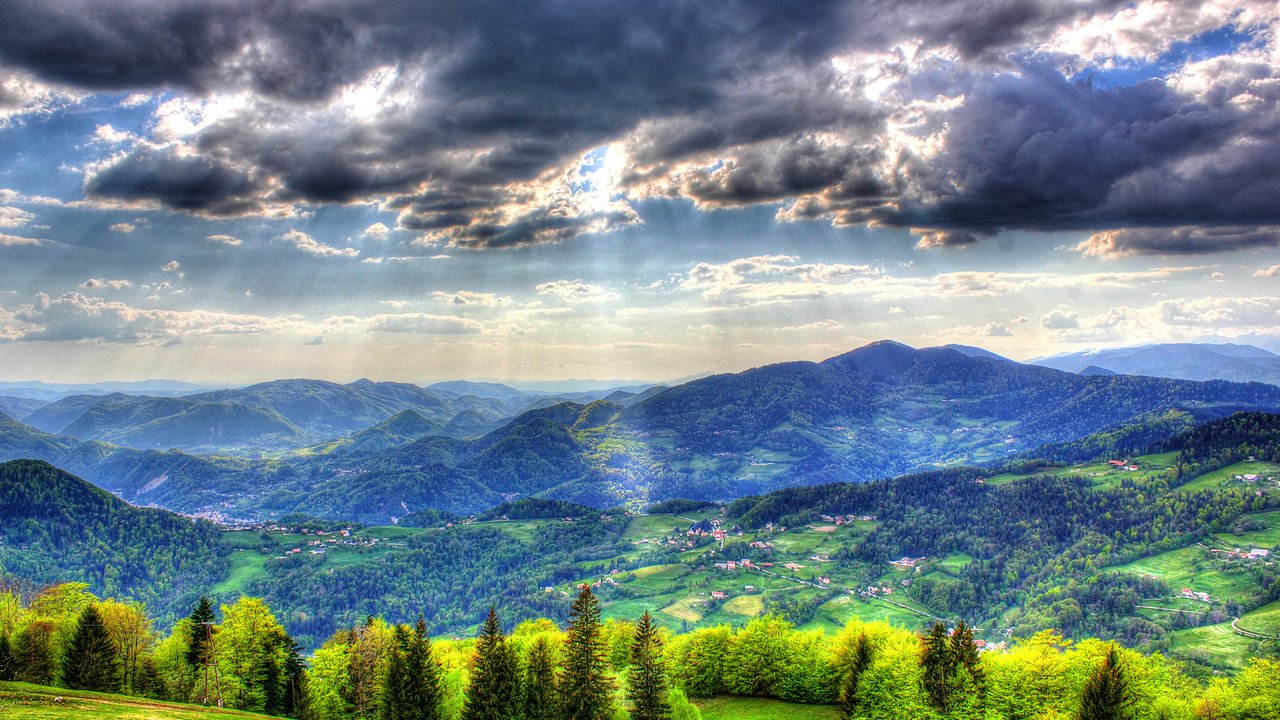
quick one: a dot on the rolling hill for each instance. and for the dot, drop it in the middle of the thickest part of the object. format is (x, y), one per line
(878, 411)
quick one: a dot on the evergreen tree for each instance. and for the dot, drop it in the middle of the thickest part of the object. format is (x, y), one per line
(647, 681)
(938, 664)
(90, 662)
(295, 678)
(539, 702)
(1106, 692)
(585, 689)
(492, 693)
(6, 660)
(197, 653)
(964, 653)
(859, 660)
(149, 684)
(396, 686)
(426, 688)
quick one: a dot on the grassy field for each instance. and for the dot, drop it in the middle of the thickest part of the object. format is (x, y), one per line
(1193, 567)
(1226, 476)
(19, 701)
(1215, 644)
(246, 566)
(736, 708)
(1101, 476)
(1269, 537)
(1265, 620)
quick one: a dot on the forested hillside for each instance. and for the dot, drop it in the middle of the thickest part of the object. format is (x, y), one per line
(55, 527)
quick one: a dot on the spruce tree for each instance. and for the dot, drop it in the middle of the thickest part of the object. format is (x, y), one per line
(7, 673)
(585, 689)
(938, 665)
(197, 643)
(858, 662)
(492, 692)
(647, 681)
(1106, 692)
(539, 702)
(396, 685)
(426, 688)
(90, 662)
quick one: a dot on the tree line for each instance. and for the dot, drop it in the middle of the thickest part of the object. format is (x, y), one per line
(239, 656)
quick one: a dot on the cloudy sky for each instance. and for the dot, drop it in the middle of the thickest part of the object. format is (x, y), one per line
(235, 190)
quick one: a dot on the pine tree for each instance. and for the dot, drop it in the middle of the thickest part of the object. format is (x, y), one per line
(1106, 692)
(647, 681)
(539, 702)
(90, 662)
(492, 693)
(859, 660)
(196, 647)
(938, 665)
(6, 660)
(585, 689)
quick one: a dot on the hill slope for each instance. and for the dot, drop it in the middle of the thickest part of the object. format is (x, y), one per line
(56, 527)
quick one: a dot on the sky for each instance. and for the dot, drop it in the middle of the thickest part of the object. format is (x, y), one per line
(420, 190)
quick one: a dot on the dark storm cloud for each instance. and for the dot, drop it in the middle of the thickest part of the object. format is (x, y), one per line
(782, 171)
(493, 97)
(1034, 151)
(194, 184)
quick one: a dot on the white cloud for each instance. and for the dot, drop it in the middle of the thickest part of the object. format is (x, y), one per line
(74, 317)
(7, 240)
(105, 283)
(1059, 320)
(1272, 271)
(469, 298)
(423, 324)
(171, 266)
(123, 227)
(575, 291)
(766, 278)
(224, 239)
(108, 135)
(14, 217)
(376, 231)
(311, 246)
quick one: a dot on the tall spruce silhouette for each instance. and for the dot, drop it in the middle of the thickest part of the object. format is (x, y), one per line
(647, 681)
(1106, 692)
(585, 687)
(198, 641)
(859, 660)
(90, 662)
(492, 693)
(539, 702)
(426, 689)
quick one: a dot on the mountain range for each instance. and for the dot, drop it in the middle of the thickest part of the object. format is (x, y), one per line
(880, 410)
(1182, 361)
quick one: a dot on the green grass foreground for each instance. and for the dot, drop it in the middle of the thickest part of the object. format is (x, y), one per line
(740, 708)
(22, 701)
